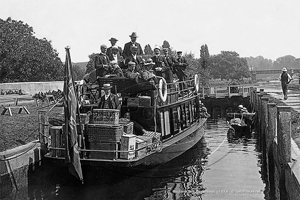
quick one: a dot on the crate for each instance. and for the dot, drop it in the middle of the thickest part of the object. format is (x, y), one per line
(144, 101)
(154, 135)
(133, 102)
(127, 127)
(57, 141)
(110, 147)
(105, 116)
(128, 144)
(104, 133)
(142, 145)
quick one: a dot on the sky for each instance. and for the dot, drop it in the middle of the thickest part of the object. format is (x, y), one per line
(268, 28)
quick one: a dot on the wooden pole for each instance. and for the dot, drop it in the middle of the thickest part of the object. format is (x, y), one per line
(284, 145)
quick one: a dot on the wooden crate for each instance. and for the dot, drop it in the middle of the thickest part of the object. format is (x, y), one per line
(145, 101)
(133, 102)
(128, 144)
(57, 141)
(110, 147)
(104, 133)
(105, 116)
(127, 127)
(142, 146)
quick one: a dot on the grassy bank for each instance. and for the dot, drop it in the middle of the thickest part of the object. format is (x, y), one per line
(22, 128)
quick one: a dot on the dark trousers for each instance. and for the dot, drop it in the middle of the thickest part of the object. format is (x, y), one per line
(284, 89)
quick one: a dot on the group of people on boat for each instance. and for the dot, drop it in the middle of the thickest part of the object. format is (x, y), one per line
(130, 63)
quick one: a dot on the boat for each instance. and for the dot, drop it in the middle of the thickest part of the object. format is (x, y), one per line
(170, 116)
(240, 124)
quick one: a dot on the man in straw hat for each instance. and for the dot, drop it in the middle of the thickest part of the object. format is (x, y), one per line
(133, 42)
(113, 42)
(160, 62)
(108, 100)
(285, 79)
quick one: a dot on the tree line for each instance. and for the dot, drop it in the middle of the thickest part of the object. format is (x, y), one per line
(26, 58)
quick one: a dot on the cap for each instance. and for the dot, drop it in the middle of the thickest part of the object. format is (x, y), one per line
(241, 106)
(284, 69)
(106, 86)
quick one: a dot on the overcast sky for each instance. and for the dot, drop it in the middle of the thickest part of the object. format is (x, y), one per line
(270, 28)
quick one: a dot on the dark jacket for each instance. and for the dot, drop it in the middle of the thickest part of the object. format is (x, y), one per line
(101, 64)
(127, 51)
(109, 52)
(120, 59)
(118, 72)
(113, 101)
(160, 61)
(138, 61)
(179, 67)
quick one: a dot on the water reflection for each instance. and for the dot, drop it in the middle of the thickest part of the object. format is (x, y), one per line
(197, 174)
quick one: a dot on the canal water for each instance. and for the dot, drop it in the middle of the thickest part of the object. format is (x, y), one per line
(214, 169)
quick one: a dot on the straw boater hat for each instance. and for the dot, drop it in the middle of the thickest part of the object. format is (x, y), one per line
(113, 39)
(106, 86)
(133, 34)
(284, 69)
(131, 63)
(157, 47)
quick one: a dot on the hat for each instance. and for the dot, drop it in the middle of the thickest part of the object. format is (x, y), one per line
(179, 51)
(157, 47)
(114, 47)
(113, 39)
(149, 61)
(241, 106)
(284, 69)
(131, 63)
(103, 46)
(106, 86)
(133, 34)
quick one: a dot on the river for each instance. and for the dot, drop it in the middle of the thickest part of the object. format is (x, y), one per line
(213, 169)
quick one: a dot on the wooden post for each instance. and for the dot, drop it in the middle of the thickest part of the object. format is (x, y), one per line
(264, 127)
(43, 126)
(284, 145)
(272, 117)
(284, 132)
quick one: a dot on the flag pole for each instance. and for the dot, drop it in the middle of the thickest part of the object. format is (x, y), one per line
(72, 157)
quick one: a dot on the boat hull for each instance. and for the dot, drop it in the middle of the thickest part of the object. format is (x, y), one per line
(171, 148)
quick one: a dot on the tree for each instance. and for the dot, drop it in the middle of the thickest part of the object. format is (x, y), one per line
(90, 65)
(228, 65)
(204, 56)
(166, 44)
(23, 57)
(148, 50)
(287, 61)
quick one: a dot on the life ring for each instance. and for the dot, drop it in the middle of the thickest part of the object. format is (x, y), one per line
(162, 86)
(196, 81)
